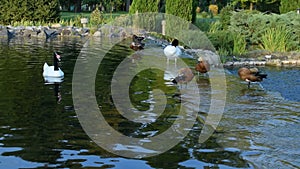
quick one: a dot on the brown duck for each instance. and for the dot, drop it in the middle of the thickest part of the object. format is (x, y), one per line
(251, 75)
(202, 66)
(185, 75)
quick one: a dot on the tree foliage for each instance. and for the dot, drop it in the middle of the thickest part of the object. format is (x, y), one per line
(29, 10)
(147, 17)
(254, 4)
(185, 9)
(289, 5)
(253, 26)
(144, 6)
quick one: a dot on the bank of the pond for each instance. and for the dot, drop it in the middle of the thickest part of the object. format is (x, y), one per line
(253, 58)
(264, 58)
(57, 30)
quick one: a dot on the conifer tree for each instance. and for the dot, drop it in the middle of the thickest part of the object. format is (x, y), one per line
(147, 17)
(185, 9)
(144, 6)
(28, 10)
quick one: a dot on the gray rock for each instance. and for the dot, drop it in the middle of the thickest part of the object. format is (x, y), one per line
(97, 34)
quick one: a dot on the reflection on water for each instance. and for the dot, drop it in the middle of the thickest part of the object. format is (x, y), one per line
(259, 128)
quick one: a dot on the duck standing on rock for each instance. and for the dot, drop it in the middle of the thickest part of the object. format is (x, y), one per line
(202, 66)
(251, 75)
(137, 43)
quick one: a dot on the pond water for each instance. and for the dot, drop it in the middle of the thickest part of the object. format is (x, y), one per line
(259, 127)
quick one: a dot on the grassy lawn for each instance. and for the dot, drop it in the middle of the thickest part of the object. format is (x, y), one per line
(72, 15)
(202, 23)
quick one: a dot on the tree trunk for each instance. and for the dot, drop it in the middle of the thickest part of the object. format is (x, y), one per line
(251, 6)
(127, 5)
(69, 6)
(78, 6)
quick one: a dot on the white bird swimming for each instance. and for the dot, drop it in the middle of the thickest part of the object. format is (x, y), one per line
(53, 71)
(172, 51)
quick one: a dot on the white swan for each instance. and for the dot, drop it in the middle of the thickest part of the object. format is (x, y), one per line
(53, 71)
(172, 51)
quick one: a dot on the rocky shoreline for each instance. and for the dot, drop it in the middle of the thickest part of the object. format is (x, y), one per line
(253, 58)
(58, 30)
(262, 58)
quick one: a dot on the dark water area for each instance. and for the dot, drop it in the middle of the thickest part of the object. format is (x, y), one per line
(259, 127)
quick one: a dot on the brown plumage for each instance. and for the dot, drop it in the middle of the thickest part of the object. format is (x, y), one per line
(202, 66)
(137, 46)
(137, 43)
(251, 75)
(185, 75)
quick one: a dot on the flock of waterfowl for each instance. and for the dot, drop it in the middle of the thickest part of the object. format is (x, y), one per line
(185, 75)
(171, 51)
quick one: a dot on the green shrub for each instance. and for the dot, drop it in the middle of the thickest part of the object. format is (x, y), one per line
(223, 39)
(204, 14)
(277, 40)
(77, 21)
(215, 26)
(289, 5)
(29, 10)
(96, 17)
(225, 15)
(253, 25)
(195, 39)
(223, 54)
(239, 44)
(204, 24)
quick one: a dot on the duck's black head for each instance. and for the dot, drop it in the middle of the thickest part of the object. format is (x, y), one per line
(175, 42)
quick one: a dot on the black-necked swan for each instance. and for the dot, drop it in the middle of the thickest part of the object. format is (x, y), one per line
(53, 71)
(172, 51)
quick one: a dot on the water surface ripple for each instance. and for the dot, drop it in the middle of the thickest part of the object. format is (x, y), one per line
(259, 128)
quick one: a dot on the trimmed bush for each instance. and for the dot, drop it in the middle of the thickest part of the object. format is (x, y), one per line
(96, 18)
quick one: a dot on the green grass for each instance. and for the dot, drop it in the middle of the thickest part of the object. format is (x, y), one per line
(204, 22)
(67, 16)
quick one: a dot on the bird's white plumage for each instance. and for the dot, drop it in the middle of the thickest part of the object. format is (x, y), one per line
(48, 71)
